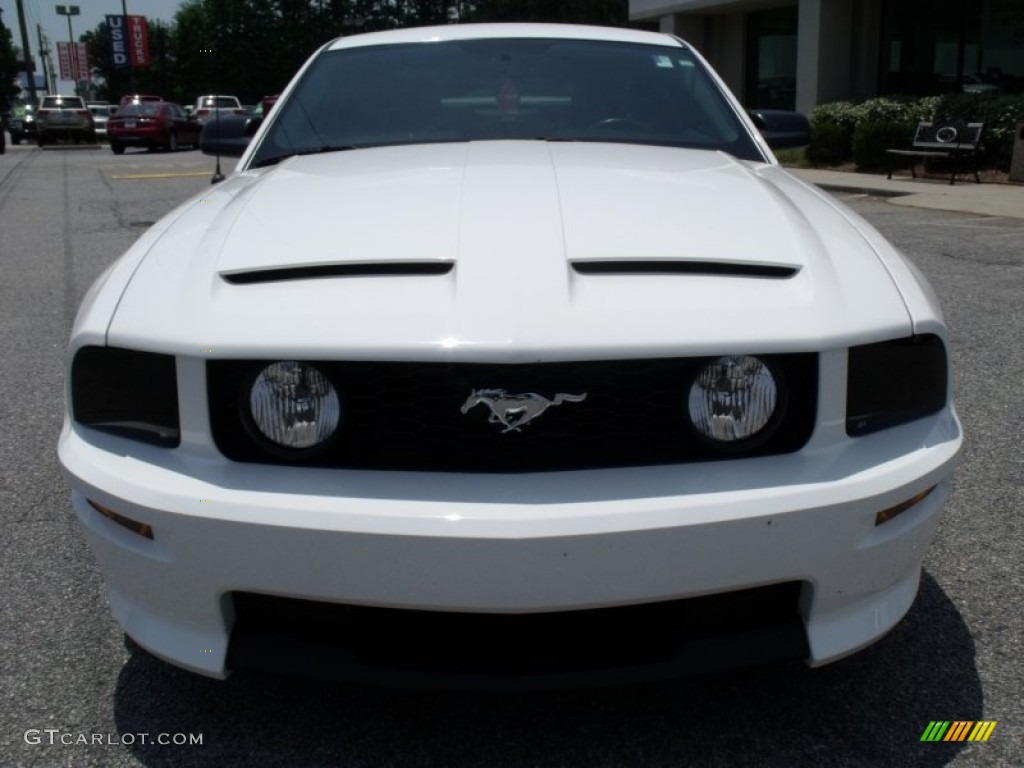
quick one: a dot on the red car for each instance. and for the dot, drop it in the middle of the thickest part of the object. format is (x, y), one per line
(152, 124)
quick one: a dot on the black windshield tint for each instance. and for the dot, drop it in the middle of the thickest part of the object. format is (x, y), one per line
(472, 90)
(139, 110)
(63, 102)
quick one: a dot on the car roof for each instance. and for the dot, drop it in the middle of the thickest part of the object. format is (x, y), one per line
(495, 31)
(128, 98)
(148, 103)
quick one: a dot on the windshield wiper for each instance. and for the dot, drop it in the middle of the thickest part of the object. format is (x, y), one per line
(331, 148)
(275, 159)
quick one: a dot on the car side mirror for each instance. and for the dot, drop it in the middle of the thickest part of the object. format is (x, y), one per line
(782, 128)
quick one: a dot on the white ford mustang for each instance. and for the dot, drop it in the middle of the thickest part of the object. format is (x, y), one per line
(501, 340)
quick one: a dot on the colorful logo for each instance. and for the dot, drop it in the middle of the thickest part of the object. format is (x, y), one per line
(958, 730)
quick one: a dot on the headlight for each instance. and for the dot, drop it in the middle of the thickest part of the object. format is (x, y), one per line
(294, 405)
(895, 382)
(733, 398)
(129, 393)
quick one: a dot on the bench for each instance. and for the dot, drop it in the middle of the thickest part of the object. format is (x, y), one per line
(952, 141)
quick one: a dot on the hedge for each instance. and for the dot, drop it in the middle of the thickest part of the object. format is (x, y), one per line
(861, 131)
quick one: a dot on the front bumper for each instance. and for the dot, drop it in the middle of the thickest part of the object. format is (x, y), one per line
(510, 544)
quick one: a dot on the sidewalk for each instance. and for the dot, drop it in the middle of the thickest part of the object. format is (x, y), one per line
(987, 199)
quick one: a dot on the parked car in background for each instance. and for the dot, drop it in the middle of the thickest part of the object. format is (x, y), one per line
(135, 98)
(210, 105)
(64, 118)
(257, 111)
(979, 84)
(21, 123)
(266, 103)
(500, 340)
(152, 125)
(101, 112)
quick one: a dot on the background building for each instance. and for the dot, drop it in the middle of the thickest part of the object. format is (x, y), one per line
(794, 55)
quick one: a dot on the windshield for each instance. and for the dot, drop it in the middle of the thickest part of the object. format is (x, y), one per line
(473, 90)
(221, 102)
(62, 102)
(147, 109)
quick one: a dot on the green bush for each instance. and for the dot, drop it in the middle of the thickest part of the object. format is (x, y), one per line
(830, 144)
(873, 136)
(831, 133)
(1000, 114)
(845, 130)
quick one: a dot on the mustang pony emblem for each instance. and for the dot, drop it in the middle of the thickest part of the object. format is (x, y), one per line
(514, 411)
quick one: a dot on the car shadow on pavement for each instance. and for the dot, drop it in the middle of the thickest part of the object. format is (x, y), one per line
(870, 709)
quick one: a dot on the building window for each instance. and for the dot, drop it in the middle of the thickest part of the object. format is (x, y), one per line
(771, 59)
(945, 46)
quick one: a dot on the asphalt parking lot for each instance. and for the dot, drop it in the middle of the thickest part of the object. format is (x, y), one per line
(74, 692)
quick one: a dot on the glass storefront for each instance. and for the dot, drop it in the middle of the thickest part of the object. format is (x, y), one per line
(943, 46)
(771, 59)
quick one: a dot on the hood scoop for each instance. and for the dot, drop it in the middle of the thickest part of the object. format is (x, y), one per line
(682, 267)
(361, 269)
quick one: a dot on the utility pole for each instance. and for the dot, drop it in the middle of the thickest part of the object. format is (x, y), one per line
(44, 56)
(30, 71)
(131, 67)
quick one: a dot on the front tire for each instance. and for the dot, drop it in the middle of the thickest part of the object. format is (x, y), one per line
(117, 149)
(172, 142)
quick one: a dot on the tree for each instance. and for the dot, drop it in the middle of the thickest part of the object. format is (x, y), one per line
(252, 48)
(393, 14)
(9, 68)
(608, 12)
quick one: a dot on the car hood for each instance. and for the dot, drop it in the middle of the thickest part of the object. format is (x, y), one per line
(582, 250)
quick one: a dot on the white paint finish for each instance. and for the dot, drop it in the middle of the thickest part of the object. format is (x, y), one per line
(401, 204)
(495, 31)
(594, 549)
(512, 216)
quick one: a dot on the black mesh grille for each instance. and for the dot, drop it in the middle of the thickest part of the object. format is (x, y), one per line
(408, 415)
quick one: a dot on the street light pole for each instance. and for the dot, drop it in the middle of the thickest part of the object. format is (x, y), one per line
(69, 11)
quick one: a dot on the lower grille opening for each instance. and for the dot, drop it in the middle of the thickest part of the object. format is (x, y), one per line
(471, 650)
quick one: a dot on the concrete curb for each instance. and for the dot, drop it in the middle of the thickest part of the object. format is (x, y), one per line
(986, 199)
